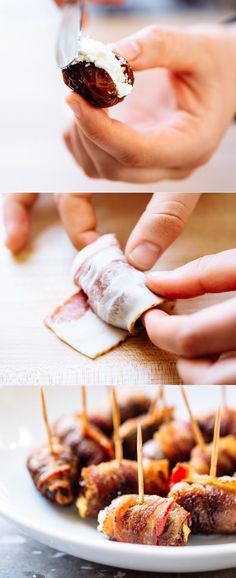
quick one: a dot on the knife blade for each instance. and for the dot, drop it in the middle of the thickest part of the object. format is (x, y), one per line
(73, 20)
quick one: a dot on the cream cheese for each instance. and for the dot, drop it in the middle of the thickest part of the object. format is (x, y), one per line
(101, 55)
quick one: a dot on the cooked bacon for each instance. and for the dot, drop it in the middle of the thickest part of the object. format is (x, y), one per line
(149, 422)
(173, 441)
(130, 406)
(158, 521)
(90, 446)
(99, 485)
(211, 503)
(201, 458)
(227, 423)
(54, 475)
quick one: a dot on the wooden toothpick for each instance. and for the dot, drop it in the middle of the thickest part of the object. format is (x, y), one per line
(223, 396)
(196, 429)
(140, 465)
(46, 421)
(155, 401)
(215, 444)
(84, 414)
(116, 426)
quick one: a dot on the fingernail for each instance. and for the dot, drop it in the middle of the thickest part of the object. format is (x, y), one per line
(128, 48)
(145, 255)
(75, 107)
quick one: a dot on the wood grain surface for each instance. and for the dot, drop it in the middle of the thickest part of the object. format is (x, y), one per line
(33, 283)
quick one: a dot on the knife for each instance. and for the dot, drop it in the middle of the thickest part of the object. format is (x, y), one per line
(73, 20)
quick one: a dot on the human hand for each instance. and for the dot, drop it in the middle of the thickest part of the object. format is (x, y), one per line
(173, 125)
(75, 210)
(205, 340)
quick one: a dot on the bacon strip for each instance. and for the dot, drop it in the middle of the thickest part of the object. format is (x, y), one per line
(113, 297)
(54, 475)
(149, 422)
(130, 406)
(173, 441)
(91, 446)
(227, 423)
(158, 521)
(100, 484)
(211, 503)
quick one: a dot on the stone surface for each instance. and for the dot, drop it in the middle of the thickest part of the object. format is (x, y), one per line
(21, 557)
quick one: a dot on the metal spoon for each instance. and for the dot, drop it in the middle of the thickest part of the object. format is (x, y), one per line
(72, 23)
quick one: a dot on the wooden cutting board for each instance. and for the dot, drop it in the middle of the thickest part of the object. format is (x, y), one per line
(33, 283)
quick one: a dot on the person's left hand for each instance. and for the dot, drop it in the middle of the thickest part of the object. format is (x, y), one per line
(205, 340)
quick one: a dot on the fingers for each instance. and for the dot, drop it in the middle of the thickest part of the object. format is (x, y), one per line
(207, 332)
(78, 217)
(209, 274)
(17, 219)
(208, 372)
(112, 136)
(156, 46)
(161, 223)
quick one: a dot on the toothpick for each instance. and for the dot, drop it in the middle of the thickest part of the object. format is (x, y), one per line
(165, 410)
(215, 444)
(223, 395)
(84, 414)
(116, 425)
(196, 429)
(140, 465)
(155, 401)
(46, 421)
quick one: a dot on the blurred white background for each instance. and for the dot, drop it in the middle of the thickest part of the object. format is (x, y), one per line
(33, 114)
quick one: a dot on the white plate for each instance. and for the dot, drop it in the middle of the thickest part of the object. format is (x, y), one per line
(21, 428)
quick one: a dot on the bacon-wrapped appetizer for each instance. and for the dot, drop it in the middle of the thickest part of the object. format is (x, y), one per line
(99, 485)
(54, 474)
(130, 406)
(211, 502)
(157, 521)
(91, 446)
(149, 423)
(227, 423)
(173, 441)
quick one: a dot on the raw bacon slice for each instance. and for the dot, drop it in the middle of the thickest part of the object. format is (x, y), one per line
(75, 323)
(211, 503)
(116, 291)
(158, 521)
(54, 475)
(112, 297)
(99, 485)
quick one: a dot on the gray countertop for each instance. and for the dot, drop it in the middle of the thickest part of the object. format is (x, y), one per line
(21, 557)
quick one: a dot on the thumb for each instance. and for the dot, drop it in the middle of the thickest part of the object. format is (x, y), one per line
(17, 219)
(161, 223)
(156, 46)
(209, 274)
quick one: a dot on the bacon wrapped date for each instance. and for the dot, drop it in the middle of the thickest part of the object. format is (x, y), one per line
(149, 422)
(211, 503)
(99, 485)
(130, 406)
(54, 475)
(173, 441)
(158, 521)
(227, 424)
(91, 446)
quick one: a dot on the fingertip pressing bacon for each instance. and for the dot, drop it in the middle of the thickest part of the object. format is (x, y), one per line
(158, 521)
(54, 475)
(113, 299)
(100, 484)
